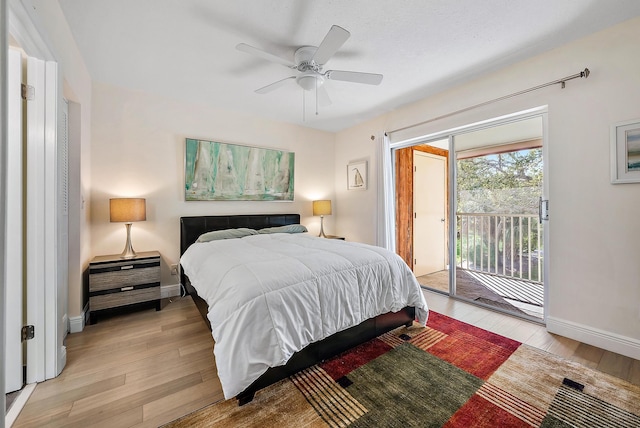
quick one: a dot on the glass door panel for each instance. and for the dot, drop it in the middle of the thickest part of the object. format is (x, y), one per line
(499, 246)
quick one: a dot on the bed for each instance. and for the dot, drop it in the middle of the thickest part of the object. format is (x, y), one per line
(298, 354)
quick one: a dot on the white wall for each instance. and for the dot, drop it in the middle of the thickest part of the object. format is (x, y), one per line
(138, 146)
(594, 287)
(355, 212)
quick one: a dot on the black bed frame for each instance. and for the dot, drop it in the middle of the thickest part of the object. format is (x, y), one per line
(192, 227)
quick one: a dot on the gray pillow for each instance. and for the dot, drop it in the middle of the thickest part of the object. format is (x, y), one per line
(226, 234)
(290, 228)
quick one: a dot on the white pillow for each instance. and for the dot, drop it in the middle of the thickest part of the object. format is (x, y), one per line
(226, 234)
(290, 228)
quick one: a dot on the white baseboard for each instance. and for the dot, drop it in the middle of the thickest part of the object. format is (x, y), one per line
(65, 321)
(623, 345)
(62, 359)
(171, 290)
(76, 324)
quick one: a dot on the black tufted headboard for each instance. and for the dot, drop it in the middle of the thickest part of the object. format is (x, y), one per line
(192, 227)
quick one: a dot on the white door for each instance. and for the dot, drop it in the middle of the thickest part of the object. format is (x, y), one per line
(14, 284)
(44, 290)
(35, 216)
(46, 353)
(429, 205)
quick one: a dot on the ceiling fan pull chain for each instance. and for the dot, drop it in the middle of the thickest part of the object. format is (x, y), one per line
(316, 97)
(304, 116)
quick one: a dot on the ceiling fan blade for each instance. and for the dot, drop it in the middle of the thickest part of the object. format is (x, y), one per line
(334, 39)
(274, 85)
(323, 96)
(354, 76)
(243, 47)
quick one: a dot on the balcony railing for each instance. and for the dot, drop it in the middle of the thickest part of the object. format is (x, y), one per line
(507, 245)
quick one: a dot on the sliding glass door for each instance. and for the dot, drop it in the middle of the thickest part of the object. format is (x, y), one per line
(468, 213)
(499, 235)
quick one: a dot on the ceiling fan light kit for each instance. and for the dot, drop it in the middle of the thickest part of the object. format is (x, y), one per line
(309, 61)
(311, 73)
(309, 81)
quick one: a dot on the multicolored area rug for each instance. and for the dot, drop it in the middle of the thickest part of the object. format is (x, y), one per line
(449, 374)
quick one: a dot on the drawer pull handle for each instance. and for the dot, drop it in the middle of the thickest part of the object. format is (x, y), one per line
(126, 267)
(126, 289)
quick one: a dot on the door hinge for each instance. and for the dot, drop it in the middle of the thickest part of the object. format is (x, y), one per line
(28, 332)
(28, 92)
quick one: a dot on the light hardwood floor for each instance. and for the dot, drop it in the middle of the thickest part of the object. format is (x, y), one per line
(144, 368)
(148, 368)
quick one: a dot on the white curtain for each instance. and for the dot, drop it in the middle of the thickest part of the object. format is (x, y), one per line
(385, 233)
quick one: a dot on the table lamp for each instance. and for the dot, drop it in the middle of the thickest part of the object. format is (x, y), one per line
(127, 210)
(322, 208)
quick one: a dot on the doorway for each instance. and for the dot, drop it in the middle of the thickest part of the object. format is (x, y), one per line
(429, 213)
(495, 237)
(36, 281)
(419, 205)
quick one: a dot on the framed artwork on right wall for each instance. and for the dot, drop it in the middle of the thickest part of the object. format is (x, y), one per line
(625, 152)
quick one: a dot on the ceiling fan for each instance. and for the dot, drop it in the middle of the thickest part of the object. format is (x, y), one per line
(309, 62)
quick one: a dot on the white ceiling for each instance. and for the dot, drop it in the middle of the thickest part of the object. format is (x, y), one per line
(186, 49)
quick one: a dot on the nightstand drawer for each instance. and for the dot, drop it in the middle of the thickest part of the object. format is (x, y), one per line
(115, 275)
(121, 298)
(116, 282)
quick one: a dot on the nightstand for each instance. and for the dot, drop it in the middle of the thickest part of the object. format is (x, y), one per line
(334, 237)
(115, 282)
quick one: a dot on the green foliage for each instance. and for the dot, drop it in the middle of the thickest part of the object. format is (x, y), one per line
(506, 182)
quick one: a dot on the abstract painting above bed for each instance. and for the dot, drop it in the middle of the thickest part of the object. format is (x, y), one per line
(230, 172)
(284, 291)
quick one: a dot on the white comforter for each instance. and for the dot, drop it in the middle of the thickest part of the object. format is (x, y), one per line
(271, 295)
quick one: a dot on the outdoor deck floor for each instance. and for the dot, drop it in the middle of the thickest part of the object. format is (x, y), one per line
(511, 288)
(510, 294)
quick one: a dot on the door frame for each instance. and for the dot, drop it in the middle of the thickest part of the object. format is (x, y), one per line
(449, 134)
(4, 45)
(46, 354)
(14, 220)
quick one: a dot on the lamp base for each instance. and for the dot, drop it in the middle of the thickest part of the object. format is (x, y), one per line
(128, 252)
(322, 235)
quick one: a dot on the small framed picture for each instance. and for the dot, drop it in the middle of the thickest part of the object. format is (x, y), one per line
(625, 152)
(357, 175)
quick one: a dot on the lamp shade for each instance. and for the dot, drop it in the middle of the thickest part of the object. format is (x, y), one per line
(322, 207)
(127, 210)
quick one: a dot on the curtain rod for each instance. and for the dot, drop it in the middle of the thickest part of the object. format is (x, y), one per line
(585, 73)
